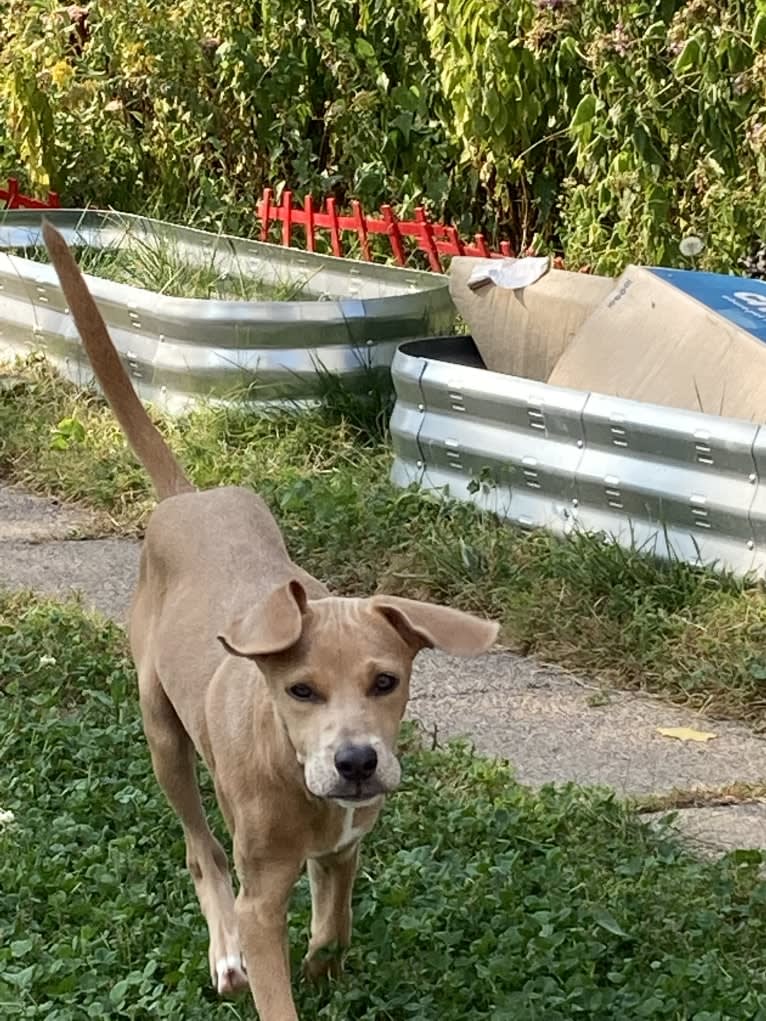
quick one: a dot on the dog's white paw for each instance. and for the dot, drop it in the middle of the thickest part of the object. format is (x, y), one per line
(230, 974)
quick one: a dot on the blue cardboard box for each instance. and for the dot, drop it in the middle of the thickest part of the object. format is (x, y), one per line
(678, 338)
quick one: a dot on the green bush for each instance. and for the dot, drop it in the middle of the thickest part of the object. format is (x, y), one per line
(623, 126)
(196, 108)
(603, 128)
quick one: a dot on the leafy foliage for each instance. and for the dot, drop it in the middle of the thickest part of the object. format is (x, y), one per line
(603, 128)
(622, 126)
(196, 108)
(477, 898)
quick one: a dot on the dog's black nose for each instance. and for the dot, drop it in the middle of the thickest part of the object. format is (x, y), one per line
(356, 762)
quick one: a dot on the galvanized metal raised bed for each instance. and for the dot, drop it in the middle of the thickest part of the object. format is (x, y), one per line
(179, 349)
(674, 483)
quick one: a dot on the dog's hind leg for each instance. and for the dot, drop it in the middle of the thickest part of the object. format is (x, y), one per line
(174, 762)
(332, 883)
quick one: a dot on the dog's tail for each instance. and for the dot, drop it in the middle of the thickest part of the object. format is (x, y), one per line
(152, 450)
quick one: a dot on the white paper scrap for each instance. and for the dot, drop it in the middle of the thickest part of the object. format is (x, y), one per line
(510, 274)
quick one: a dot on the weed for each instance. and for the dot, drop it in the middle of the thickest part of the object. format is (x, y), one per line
(701, 797)
(477, 898)
(363, 402)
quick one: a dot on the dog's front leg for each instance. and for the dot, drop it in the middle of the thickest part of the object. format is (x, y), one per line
(332, 883)
(262, 918)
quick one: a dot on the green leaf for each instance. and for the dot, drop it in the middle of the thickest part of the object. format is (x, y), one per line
(491, 103)
(404, 123)
(500, 120)
(689, 58)
(759, 30)
(585, 112)
(118, 990)
(404, 98)
(605, 920)
(72, 428)
(364, 49)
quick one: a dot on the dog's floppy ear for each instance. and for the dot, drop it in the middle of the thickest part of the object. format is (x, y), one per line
(271, 626)
(428, 626)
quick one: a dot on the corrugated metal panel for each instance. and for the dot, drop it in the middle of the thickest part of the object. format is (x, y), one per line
(675, 483)
(177, 349)
(758, 504)
(646, 466)
(518, 440)
(406, 419)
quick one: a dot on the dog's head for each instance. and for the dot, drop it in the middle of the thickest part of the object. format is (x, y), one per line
(339, 671)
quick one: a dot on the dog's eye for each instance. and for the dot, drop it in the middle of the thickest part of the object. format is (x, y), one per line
(384, 684)
(303, 693)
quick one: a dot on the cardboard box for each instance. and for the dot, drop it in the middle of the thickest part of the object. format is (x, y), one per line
(524, 332)
(677, 338)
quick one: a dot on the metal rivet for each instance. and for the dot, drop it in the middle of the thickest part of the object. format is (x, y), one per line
(418, 464)
(575, 502)
(421, 407)
(580, 444)
(752, 478)
(750, 544)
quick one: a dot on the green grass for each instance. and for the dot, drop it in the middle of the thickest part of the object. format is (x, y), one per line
(697, 637)
(477, 898)
(157, 265)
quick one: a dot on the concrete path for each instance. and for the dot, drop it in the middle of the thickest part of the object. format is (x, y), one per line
(552, 726)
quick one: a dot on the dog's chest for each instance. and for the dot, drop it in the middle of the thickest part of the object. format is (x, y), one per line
(351, 830)
(338, 828)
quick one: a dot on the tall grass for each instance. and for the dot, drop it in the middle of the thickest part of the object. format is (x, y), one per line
(157, 264)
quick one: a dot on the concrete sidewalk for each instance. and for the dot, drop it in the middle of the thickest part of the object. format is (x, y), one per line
(552, 726)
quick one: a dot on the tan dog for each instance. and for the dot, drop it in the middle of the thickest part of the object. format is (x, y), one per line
(292, 697)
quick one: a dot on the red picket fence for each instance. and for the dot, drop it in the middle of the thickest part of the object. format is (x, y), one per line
(12, 198)
(435, 239)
